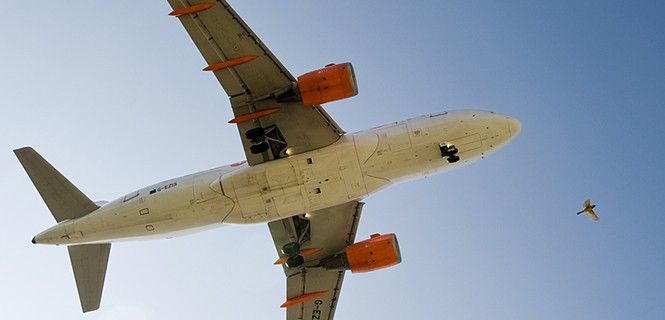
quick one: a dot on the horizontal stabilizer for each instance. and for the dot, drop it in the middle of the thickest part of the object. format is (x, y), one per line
(89, 263)
(63, 199)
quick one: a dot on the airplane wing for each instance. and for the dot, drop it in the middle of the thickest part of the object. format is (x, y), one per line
(330, 231)
(257, 84)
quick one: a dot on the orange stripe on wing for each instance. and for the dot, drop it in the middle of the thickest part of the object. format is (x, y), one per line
(230, 63)
(253, 115)
(191, 9)
(303, 298)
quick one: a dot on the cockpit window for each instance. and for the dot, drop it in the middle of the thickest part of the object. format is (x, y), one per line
(131, 196)
(438, 114)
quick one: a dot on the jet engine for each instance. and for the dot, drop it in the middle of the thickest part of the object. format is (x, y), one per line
(377, 252)
(334, 82)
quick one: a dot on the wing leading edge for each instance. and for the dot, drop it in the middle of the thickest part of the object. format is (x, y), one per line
(328, 231)
(255, 81)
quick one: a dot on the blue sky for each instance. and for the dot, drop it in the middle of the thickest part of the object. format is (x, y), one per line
(112, 94)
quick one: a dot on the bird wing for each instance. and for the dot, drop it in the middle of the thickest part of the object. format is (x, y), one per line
(591, 214)
(586, 204)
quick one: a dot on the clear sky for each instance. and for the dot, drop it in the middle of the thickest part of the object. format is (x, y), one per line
(111, 93)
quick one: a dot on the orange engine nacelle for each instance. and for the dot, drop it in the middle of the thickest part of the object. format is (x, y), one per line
(334, 82)
(377, 252)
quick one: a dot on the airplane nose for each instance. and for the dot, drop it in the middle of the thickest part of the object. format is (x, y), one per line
(514, 126)
(33, 240)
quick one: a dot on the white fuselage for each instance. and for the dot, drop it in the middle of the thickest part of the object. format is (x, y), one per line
(351, 168)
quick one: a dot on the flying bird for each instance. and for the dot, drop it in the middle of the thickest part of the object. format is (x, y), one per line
(587, 209)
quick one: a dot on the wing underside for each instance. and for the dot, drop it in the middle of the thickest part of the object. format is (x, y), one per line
(328, 231)
(255, 82)
(591, 214)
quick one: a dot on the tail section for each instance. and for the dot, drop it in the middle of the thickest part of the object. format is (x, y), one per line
(89, 261)
(63, 199)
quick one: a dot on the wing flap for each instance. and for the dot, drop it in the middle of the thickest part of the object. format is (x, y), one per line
(314, 280)
(220, 35)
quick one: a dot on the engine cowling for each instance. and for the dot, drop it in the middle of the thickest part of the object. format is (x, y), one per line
(334, 82)
(377, 252)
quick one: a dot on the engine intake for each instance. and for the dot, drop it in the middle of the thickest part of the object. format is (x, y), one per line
(377, 252)
(334, 82)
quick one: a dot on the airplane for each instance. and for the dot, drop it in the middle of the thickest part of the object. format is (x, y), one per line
(303, 175)
(587, 209)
